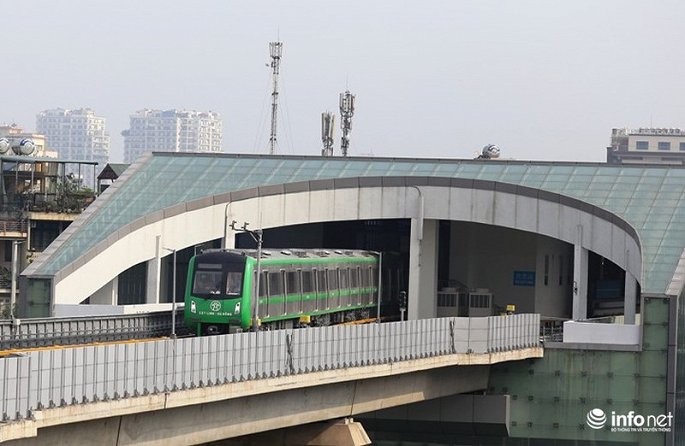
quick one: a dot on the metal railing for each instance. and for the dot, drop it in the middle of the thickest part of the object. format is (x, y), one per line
(13, 226)
(81, 330)
(62, 377)
(552, 330)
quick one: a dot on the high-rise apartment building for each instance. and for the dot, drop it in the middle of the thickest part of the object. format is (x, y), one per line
(75, 135)
(647, 145)
(171, 131)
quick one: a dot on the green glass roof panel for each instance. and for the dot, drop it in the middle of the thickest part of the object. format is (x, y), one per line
(651, 198)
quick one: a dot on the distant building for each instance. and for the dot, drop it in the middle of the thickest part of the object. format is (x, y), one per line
(171, 131)
(647, 145)
(76, 135)
(14, 131)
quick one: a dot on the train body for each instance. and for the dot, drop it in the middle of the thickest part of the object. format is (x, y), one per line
(297, 286)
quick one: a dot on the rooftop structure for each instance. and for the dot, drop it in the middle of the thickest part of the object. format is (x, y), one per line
(109, 174)
(15, 131)
(647, 145)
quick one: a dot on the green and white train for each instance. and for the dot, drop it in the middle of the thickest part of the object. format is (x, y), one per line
(297, 287)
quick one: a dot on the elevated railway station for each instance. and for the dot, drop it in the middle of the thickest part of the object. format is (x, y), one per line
(595, 250)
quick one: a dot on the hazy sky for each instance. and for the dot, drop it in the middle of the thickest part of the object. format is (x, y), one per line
(542, 79)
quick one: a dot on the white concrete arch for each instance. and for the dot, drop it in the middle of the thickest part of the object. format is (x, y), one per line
(417, 198)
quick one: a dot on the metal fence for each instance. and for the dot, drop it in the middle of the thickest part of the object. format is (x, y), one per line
(81, 330)
(62, 377)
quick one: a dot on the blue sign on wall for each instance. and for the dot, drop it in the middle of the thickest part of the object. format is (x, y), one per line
(524, 278)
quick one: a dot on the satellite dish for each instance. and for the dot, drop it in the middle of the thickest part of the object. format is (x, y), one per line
(4, 145)
(25, 147)
(490, 151)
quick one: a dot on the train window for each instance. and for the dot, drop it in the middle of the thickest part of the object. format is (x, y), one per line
(364, 277)
(293, 282)
(344, 278)
(275, 285)
(354, 278)
(207, 282)
(307, 282)
(332, 279)
(263, 283)
(234, 283)
(321, 281)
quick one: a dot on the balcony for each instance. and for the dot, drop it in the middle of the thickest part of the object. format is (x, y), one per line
(13, 228)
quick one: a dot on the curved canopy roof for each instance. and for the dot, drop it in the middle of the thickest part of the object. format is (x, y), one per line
(650, 198)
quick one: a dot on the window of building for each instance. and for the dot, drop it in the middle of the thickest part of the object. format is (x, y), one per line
(664, 145)
(641, 145)
(682, 146)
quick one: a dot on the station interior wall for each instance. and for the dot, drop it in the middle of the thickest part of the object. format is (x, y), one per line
(484, 256)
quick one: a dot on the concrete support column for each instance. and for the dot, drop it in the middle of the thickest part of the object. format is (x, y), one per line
(423, 269)
(346, 432)
(580, 270)
(154, 267)
(630, 299)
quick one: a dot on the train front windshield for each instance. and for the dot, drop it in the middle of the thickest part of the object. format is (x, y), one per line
(216, 280)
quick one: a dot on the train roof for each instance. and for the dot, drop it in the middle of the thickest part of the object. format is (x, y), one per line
(299, 253)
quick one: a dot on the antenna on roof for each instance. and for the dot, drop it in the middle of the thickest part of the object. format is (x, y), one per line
(346, 113)
(327, 127)
(275, 51)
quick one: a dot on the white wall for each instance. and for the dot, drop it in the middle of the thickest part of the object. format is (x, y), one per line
(181, 227)
(554, 299)
(597, 333)
(654, 141)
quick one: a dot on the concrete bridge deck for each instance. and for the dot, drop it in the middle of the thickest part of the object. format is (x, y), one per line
(191, 391)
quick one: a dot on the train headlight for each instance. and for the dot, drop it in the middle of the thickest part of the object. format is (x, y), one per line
(236, 310)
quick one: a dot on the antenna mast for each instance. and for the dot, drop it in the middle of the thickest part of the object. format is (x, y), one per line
(327, 127)
(275, 50)
(346, 113)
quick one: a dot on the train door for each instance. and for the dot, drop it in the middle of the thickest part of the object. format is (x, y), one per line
(345, 294)
(333, 293)
(308, 290)
(266, 303)
(321, 289)
(284, 292)
(357, 285)
(261, 294)
(373, 280)
(293, 292)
